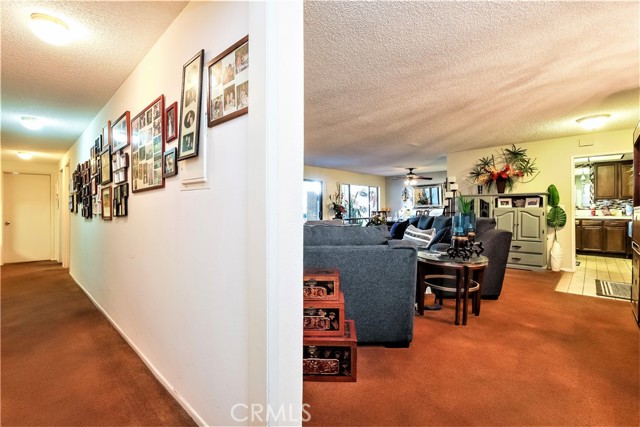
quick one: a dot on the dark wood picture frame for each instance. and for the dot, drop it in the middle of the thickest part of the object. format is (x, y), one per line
(107, 203)
(105, 166)
(171, 122)
(170, 162)
(121, 132)
(228, 84)
(147, 147)
(190, 106)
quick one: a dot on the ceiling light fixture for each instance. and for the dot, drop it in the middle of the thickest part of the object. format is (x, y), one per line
(50, 29)
(31, 122)
(411, 182)
(593, 122)
(25, 156)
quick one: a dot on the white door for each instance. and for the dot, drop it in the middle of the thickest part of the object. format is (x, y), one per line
(27, 217)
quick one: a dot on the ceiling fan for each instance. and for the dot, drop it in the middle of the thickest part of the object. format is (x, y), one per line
(411, 178)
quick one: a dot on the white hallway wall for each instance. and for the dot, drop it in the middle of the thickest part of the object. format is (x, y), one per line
(197, 280)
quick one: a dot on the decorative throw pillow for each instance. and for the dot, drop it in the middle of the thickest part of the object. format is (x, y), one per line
(441, 236)
(414, 220)
(425, 222)
(398, 229)
(417, 236)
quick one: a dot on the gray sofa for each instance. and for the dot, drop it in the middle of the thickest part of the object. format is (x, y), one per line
(377, 275)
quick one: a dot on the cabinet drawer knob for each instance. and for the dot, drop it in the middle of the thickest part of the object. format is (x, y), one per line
(516, 259)
(516, 247)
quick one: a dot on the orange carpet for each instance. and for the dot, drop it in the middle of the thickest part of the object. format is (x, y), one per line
(63, 364)
(535, 357)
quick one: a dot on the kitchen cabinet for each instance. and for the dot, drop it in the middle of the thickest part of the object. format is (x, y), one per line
(528, 226)
(602, 236)
(613, 180)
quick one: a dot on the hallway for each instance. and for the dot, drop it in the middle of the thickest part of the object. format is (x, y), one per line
(63, 364)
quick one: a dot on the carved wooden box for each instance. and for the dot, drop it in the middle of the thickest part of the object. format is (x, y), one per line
(321, 284)
(331, 358)
(323, 318)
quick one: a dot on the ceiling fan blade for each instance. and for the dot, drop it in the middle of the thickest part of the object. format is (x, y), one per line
(423, 177)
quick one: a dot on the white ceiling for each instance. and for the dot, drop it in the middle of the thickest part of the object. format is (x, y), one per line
(390, 85)
(68, 85)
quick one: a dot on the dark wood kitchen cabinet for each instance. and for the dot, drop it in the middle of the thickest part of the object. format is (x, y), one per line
(602, 236)
(613, 180)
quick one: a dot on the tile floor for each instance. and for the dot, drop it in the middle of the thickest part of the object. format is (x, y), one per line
(592, 267)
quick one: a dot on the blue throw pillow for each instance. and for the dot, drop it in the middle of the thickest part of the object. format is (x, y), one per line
(442, 236)
(398, 229)
(414, 220)
(442, 221)
(425, 222)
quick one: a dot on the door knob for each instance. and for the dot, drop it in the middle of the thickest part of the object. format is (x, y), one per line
(7, 223)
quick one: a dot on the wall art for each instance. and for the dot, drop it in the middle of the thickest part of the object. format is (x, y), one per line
(120, 167)
(105, 166)
(228, 87)
(121, 132)
(106, 134)
(169, 163)
(190, 110)
(171, 120)
(120, 198)
(147, 146)
(106, 203)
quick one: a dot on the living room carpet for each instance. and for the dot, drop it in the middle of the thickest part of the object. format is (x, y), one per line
(63, 364)
(532, 358)
(613, 289)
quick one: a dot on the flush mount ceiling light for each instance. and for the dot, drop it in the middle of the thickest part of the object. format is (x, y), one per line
(50, 29)
(25, 156)
(32, 123)
(593, 122)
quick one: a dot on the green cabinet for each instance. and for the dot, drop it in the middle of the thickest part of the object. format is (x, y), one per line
(528, 224)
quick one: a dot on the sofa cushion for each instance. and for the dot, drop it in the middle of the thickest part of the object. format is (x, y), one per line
(418, 236)
(336, 235)
(425, 222)
(398, 229)
(414, 220)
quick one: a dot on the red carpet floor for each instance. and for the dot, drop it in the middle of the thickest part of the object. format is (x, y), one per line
(535, 357)
(63, 364)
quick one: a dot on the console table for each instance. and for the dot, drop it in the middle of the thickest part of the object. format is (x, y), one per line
(468, 275)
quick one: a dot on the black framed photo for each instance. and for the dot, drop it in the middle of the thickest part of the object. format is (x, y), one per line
(190, 109)
(228, 88)
(147, 147)
(121, 132)
(105, 166)
(171, 118)
(170, 163)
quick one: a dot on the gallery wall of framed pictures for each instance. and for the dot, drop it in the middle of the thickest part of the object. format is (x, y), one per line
(147, 147)
(129, 153)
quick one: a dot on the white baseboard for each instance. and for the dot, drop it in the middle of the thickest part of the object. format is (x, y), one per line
(165, 383)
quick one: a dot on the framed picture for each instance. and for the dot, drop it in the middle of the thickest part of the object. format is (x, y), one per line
(106, 203)
(71, 202)
(106, 135)
(190, 110)
(147, 147)
(171, 119)
(532, 202)
(105, 166)
(228, 88)
(504, 202)
(121, 132)
(169, 162)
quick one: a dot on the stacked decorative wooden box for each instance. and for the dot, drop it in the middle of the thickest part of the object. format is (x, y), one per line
(330, 343)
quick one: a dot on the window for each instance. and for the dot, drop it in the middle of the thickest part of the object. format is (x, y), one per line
(312, 202)
(360, 201)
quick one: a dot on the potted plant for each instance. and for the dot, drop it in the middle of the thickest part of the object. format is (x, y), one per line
(556, 218)
(464, 221)
(336, 202)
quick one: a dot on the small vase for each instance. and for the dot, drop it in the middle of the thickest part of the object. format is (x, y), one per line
(338, 215)
(501, 185)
